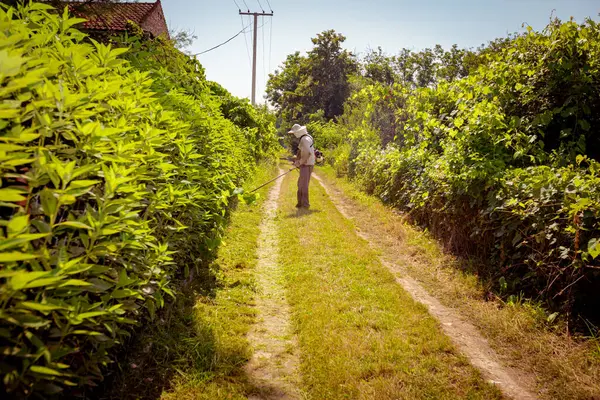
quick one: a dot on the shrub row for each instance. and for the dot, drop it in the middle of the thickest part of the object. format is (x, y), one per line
(500, 164)
(116, 178)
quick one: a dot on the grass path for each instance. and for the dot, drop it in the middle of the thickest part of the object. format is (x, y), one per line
(318, 305)
(514, 383)
(361, 336)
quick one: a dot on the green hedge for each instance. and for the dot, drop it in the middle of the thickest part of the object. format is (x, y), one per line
(113, 184)
(501, 164)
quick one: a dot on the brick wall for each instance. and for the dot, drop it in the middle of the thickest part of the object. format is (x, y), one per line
(155, 21)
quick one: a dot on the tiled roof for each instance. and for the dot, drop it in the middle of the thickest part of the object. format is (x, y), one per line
(114, 16)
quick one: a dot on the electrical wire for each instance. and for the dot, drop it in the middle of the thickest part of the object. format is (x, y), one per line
(225, 42)
(247, 8)
(269, 4)
(237, 5)
(260, 5)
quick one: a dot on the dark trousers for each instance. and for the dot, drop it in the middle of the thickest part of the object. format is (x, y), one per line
(303, 181)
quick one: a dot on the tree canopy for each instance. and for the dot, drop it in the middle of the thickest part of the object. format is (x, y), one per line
(316, 81)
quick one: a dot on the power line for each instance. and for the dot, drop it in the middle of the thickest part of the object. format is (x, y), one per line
(247, 8)
(237, 5)
(260, 5)
(269, 3)
(225, 42)
(255, 15)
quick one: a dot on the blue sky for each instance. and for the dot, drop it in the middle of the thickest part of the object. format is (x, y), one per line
(414, 24)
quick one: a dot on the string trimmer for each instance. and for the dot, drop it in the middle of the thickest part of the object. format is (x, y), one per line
(251, 198)
(273, 180)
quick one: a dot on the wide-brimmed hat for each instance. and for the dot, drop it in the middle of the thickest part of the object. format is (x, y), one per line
(298, 130)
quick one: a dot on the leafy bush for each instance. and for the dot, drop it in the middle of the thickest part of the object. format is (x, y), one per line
(112, 185)
(229, 145)
(501, 164)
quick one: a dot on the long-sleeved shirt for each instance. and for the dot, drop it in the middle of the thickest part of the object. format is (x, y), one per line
(307, 152)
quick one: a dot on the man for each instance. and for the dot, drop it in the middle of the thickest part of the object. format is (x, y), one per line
(305, 161)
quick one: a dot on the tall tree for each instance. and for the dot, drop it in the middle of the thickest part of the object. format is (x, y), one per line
(330, 67)
(284, 87)
(318, 81)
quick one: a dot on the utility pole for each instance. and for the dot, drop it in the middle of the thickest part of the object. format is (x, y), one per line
(255, 15)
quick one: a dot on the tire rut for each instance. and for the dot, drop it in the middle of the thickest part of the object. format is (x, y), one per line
(273, 368)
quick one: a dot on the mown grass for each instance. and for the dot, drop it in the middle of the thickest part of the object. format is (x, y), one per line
(565, 367)
(198, 349)
(360, 334)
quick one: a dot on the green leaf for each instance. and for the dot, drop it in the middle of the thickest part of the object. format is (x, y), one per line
(69, 22)
(75, 267)
(151, 307)
(86, 332)
(594, 247)
(29, 320)
(86, 170)
(20, 240)
(10, 64)
(121, 293)
(49, 202)
(17, 225)
(41, 226)
(584, 125)
(40, 307)
(76, 282)
(8, 194)
(16, 256)
(82, 184)
(42, 282)
(45, 370)
(74, 224)
(124, 280)
(40, 6)
(66, 199)
(23, 278)
(108, 231)
(100, 285)
(92, 314)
